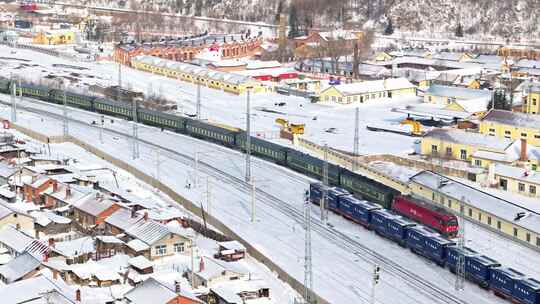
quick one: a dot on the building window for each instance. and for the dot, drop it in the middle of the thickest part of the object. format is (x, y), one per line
(430, 99)
(470, 212)
(463, 154)
(449, 203)
(515, 232)
(528, 237)
(499, 225)
(433, 196)
(434, 149)
(492, 130)
(161, 250)
(461, 208)
(523, 134)
(489, 220)
(479, 216)
(537, 136)
(478, 163)
(521, 187)
(538, 241)
(179, 247)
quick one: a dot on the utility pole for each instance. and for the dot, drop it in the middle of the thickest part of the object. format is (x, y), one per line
(248, 136)
(13, 101)
(198, 109)
(118, 92)
(460, 269)
(196, 169)
(20, 91)
(192, 277)
(356, 139)
(135, 136)
(308, 267)
(253, 200)
(375, 280)
(324, 214)
(208, 195)
(101, 129)
(66, 128)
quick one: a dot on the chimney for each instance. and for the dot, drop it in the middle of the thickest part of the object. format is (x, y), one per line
(177, 287)
(145, 216)
(201, 265)
(78, 295)
(46, 257)
(523, 150)
(55, 274)
(51, 242)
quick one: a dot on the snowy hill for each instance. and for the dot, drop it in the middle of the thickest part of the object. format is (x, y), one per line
(501, 18)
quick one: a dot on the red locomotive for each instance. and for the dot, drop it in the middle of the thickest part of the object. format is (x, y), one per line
(428, 214)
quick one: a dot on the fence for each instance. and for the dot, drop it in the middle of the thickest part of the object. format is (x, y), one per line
(190, 206)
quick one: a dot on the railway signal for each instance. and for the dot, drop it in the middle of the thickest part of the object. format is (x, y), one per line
(375, 280)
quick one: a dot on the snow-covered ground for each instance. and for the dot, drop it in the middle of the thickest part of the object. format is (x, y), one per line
(341, 276)
(331, 124)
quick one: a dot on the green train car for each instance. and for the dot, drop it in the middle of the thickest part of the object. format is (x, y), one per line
(368, 189)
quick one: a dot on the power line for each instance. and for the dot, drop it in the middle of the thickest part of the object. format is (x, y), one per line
(248, 136)
(356, 139)
(460, 269)
(308, 267)
(324, 201)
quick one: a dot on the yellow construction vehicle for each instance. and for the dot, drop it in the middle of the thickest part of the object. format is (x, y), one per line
(292, 128)
(416, 126)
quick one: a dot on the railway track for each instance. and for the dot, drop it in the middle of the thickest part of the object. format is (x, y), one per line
(339, 239)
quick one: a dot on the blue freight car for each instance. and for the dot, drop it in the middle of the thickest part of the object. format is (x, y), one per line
(334, 194)
(478, 269)
(316, 192)
(397, 229)
(379, 221)
(416, 239)
(436, 248)
(503, 281)
(454, 253)
(357, 210)
(527, 291)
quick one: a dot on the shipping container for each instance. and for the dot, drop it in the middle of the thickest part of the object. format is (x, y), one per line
(503, 281)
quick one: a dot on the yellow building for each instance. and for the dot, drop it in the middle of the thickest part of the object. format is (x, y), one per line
(512, 125)
(228, 82)
(17, 219)
(517, 180)
(493, 209)
(383, 56)
(531, 103)
(53, 37)
(444, 95)
(459, 144)
(368, 90)
(475, 107)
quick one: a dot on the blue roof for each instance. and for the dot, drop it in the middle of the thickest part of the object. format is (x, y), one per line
(485, 260)
(514, 274)
(458, 93)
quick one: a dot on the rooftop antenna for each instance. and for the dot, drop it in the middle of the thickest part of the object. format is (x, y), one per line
(308, 267)
(356, 139)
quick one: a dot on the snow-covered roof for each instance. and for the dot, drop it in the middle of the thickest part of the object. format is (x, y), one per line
(259, 64)
(137, 245)
(214, 268)
(140, 262)
(153, 291)
(457, 92)
(473, 105)
(521, 174)
(513, 119)
(230, 290)
(76, 247)
(373, 86)
(338, 34)
(469, 138)
(162, 214)
(505, 206)
(34, 288)
(19, 267)
(148, 231)
(527, 63)
(232, 245)
(451, 56)
(93, 205)
(20, 242)
(6, 170)
(109, 239)
(122, 219)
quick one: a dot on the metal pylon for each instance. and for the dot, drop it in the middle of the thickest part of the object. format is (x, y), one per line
(308, 267)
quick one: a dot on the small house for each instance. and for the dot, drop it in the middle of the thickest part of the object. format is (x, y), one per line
(156, 292)
(230, 251)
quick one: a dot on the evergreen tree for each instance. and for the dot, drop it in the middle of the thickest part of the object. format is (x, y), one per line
(459, 30)
(293, 22)
(389, 30)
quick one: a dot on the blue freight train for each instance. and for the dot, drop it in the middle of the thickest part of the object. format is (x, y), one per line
(479, 269)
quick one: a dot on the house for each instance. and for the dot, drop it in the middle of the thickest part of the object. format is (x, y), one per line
(155, 240)
(459, 144)
(21, 267)
(367, 90)
(18, 242)
(511, 125)
(212, 271)
(531, 102)
(517, 180)
(92, 210)
(39, 289)
(39, 184)
(230, 251)
(141, 264)
(73, 251)
(107, 246)
(49, 223)
(54, 37)
(66, 195)
(518, 154)
(156, 292)
(6, 171)
(476, 107)
(444, 95)
(8, 216)
(452, 56)
(239, 292)
(121, 220)
(508, 214)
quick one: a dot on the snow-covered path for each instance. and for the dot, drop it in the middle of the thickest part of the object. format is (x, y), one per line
(341, 275)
